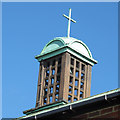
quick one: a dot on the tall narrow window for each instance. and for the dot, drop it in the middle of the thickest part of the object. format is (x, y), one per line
(76, 92)
(70, 89)
(71, 70)
(77, 74)
(56, 97)
(71, 80)
(53, 71)
(72, 61)
(51, 89)
(46, 82)
(51, 98)
(77, 64)
(76, 82)
(83, 67)
(82, 76)
(59, 69)
(45, 91)
(82, 85)
(69, 98)
(52, 81)
(48, 64)
(58, 79)
(59, 61)
(47, 73)
(81, 94)
(57, 88)
(45, 100)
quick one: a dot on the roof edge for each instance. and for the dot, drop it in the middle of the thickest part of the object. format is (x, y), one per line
(89, 100)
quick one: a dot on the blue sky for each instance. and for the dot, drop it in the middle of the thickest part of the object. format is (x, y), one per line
(28, 27)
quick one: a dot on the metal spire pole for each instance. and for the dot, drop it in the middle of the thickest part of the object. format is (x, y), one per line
(69, 21)
(68, 35)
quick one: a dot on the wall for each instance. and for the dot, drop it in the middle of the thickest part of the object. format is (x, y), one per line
(112, 112)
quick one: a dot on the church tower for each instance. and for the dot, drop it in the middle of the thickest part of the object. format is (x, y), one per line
(65, 70)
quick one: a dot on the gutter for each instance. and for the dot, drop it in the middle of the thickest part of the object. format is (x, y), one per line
(68, 107)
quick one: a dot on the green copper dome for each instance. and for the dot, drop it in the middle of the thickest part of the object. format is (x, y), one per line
(64, 44)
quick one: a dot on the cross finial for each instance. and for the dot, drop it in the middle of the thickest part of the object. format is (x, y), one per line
(69, 20)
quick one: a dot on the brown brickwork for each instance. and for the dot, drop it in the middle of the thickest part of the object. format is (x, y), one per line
(81, 117)
(63, 77)
(110, 113)
(117, 108)
(94, 114)
(106, 110)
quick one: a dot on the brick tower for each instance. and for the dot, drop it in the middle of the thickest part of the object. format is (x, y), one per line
(65, 71)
